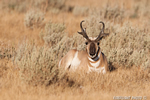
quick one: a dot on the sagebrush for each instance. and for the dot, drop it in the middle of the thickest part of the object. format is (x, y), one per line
(125, 46)
(22, 6)
(34, 18)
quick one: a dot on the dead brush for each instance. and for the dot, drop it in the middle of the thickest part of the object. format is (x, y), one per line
(128, 46)
(22, 6)
(6, 51)
(140, 9)
(15, 5)
(53, 33)
(115, 14)
(34, 19)
(80, 11)
(39, 65)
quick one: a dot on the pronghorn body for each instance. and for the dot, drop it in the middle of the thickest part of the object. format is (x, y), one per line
(79, 60)
(90, 60)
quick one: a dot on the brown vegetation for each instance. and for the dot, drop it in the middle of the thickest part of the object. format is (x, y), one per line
(34, 35)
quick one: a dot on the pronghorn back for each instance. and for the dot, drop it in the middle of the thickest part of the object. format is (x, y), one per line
(90, 60)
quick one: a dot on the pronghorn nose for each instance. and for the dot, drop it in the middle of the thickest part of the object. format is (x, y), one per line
(92, 49)
(92, 54)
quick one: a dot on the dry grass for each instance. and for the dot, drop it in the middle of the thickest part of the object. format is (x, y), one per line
(122, 82)
(29, 58)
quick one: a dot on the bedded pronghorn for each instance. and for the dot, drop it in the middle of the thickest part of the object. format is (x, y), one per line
(90, 60)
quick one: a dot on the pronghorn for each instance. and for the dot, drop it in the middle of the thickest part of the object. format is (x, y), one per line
(90, 60)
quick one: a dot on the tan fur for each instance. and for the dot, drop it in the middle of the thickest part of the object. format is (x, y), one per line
(83, 57)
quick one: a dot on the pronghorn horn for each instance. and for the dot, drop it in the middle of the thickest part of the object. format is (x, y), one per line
(101, 34)
(83, 31)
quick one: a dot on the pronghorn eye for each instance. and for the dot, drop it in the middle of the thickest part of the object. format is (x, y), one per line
(86, 43)
(98, 43)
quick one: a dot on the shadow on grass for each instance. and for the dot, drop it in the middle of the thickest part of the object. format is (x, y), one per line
(111, 67)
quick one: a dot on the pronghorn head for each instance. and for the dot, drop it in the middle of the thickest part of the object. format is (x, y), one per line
(92, 43)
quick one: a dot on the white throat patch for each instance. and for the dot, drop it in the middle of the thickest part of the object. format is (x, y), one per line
(95, 64)
(99, 70)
